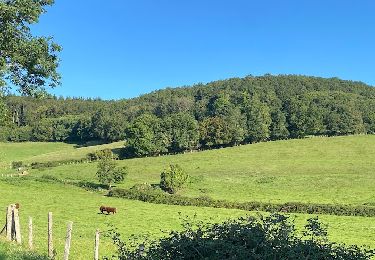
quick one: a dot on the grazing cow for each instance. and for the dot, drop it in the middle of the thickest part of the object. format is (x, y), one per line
(107, 209)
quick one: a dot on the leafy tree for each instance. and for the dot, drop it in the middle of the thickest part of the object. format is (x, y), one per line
(278, 126)
(258, 118)
(108, 125)
(43, 131)
(296, 117)
(108, 172)
(214, 132)
(173, 178)
(27, 61)
(183, 132)
(145, 136)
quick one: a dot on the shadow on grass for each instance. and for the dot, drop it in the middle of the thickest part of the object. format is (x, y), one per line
(92, 185)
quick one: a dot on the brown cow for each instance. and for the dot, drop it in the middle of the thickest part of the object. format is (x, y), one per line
(107, 209)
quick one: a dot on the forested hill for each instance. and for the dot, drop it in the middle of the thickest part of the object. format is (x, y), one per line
(220, 113)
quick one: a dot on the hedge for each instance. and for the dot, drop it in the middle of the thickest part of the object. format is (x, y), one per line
(159, 197)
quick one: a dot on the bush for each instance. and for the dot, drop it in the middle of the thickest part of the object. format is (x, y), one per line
(173, 178)
(270, 237)
(17, 164)
(102, 154)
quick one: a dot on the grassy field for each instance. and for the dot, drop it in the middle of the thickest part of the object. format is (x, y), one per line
(321, 170)
(317, 170)
(82, 207)
(29, 152)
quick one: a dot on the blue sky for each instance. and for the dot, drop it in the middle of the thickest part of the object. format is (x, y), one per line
(124, 48)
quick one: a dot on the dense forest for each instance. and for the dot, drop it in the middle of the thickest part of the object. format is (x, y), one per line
(217, 114)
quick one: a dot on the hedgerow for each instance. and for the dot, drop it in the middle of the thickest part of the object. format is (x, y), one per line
(152, 195)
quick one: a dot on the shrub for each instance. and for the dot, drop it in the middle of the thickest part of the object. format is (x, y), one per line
(173, 178)
(266, 237)
(108, 172)
(17, 164)
(102, 154)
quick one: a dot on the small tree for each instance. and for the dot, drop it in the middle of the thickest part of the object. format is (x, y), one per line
(109, 173)
(173, 178)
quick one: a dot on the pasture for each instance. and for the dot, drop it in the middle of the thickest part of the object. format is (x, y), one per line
(336, 170)
(322, 170)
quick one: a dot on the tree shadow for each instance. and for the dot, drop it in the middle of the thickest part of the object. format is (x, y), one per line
(92, 185)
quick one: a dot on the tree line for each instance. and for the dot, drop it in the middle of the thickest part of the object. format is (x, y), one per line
(204, 116)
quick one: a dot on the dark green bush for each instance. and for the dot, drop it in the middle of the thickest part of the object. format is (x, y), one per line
(271, 237)
(173, 178)
(17, 164)
(102, 154)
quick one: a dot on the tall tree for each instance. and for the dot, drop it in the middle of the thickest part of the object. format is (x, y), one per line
(258, 118)
(183, 132)
(26, 61)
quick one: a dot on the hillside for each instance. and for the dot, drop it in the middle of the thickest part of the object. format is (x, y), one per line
(336, 170)
(29, 152)
(319, 170)
(218, 114)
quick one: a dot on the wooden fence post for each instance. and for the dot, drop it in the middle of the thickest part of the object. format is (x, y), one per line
(96, 248)
(67, 241)
(50, 242)
(30, 233)
(9, 222)
(17, 227)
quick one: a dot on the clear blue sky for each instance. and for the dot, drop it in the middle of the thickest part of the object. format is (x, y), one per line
(124, 48)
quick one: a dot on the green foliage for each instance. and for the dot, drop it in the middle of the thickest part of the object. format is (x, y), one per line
(26, 61)
(266, 237)
(218, 114)
(173, 178)
(145, 136)
(17, 164)
(182, 131)
(156, 196)
(258, 119)
(108, 172)
(101, 154)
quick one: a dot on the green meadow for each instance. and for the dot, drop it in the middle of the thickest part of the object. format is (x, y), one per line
(336, 170)
(316, 170)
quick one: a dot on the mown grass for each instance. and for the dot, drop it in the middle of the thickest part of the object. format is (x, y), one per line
(337, 170)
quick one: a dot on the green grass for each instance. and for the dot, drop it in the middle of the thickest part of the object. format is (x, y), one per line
(317, 170)
(29, 152)
(12, 251)
(73, 204)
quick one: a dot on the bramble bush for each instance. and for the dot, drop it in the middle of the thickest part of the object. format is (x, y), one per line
(263, 237)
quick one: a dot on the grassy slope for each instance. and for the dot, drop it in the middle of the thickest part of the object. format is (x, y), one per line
(12, 251)
(73, 204)
(320, 170)
(43, 152)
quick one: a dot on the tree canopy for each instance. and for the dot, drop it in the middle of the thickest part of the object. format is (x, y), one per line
(218, 114)
(26, 61)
